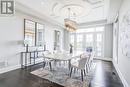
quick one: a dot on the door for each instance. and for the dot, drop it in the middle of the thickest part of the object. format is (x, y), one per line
(99, 45)
(79, 42)
(89, 40)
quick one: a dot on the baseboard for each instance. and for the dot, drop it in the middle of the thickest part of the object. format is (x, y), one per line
(120, 75)
(7, 69)
(105, 59)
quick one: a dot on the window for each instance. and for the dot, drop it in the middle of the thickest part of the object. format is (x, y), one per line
(89, 37)
(89, 40)
(99, 28)
(99, 37)
(99, 44)
(79, 42)
(96, 29)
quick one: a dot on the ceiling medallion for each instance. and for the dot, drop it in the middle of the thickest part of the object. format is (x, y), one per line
(80, 10)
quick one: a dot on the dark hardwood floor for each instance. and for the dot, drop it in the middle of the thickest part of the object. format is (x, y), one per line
(103, 77)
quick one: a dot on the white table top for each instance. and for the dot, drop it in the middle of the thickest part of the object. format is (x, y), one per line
(63, 56)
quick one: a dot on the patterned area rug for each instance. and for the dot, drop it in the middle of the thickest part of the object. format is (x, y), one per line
(60, 75)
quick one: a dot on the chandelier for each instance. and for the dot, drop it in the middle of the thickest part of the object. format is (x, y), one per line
(70, 25)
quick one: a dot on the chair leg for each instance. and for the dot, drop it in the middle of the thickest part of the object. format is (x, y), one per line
(71, 71)
(91, 63)
(50, 65)
(74, 70)
(87, 68)
(69, 64)
(44, 64)
(82, 74)
(55, 63)
(60, 63)
(91, 66)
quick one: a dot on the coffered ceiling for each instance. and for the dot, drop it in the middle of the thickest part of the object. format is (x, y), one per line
(82, 11)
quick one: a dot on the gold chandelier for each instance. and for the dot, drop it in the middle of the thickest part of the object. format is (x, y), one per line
(70, 25)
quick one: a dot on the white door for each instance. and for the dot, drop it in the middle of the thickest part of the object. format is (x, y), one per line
(99, 45)
(79, 42)
(89, 40)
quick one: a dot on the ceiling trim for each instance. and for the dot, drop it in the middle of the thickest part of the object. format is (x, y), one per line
(113, 10)
(93, 3)
(70, 6)
(26, 10)
(95, 23)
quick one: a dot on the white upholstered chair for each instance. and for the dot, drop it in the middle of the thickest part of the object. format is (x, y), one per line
(47, 60)
(80, 64)
(90, 62)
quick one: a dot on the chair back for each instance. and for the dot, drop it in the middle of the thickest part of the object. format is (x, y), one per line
(84, 58)
(82, 63)
(85, 55)
(92, 56)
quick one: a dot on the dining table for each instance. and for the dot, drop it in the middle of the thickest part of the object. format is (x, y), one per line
(63, 56)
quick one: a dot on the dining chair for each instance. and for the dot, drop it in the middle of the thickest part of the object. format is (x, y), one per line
(88, 56)
(90, 62)
(80, 65)
(47, 60)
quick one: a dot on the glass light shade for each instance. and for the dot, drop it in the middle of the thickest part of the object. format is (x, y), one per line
(70, 25)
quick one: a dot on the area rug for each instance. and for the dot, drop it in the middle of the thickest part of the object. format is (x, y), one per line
(60, 75)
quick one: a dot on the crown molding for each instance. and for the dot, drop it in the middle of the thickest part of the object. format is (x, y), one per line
(94, 23)
(31, 12)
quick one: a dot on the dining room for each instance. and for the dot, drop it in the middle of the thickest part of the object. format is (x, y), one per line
(64, 43)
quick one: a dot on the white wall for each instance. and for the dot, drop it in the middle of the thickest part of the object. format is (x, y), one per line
(108, 41)
(115, 40)
(123, 64)
(12, 36)
(11, 31)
